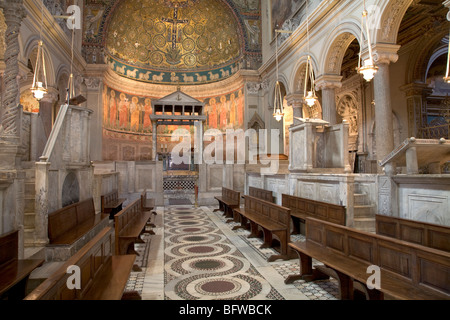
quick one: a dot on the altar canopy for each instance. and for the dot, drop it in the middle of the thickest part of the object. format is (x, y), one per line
(178, 109)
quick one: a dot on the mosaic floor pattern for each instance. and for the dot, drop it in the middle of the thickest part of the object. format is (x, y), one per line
(196, 255)
(201, 263)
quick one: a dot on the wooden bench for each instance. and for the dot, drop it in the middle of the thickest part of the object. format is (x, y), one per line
(69, 224)
(302, 208)
(130, 224)
(14, 272)
(408, 271)
(229, 200)
(262, 194)
(111, 204)
(274, 221)
(426, 234)
(103, 276)
(148, 205)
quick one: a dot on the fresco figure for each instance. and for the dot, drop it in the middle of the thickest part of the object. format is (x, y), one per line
(113, 109)
(123, 111)
(148, 112)
(212, 115)
(135, 114)
(240, 109)
(223, 113)
(232, 108)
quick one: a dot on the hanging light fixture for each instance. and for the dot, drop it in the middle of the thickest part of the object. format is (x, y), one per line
(367, 68)
(447, 73)
(39, 86)
(309, 95)
(71, 85)
(278, 111)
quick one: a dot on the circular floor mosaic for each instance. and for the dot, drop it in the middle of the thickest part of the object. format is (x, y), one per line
(201, 263)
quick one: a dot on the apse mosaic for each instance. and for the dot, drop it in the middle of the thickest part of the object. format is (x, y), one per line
(191, 41)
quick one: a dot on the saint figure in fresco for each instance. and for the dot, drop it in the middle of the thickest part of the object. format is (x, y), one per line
(240, 109)
(113, 109)
(232, 107)
(105, 106)
(212, 115)
(135, 114)
(148, 112)
(123, 111)
(223, 113)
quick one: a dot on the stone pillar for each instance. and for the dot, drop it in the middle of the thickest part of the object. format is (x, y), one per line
(415, 98)
(46, 109)
(384, 132)
(155, 142)
(296, 101)
(94, 97)
(328, 84)
(14, 13)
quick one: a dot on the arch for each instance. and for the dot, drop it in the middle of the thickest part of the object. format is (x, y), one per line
(341, 37)
(391, 19)
(419, 59)
(297, 83)
(28, 50)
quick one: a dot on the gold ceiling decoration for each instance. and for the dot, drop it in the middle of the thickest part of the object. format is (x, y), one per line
(173, 35)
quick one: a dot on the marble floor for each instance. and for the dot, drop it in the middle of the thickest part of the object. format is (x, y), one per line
(195, 255)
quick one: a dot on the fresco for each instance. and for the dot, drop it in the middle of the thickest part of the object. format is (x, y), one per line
(282, 12)
(127, 128)
(28, 102)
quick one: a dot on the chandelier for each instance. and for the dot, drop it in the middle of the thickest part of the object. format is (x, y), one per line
(278, 112)
(367, 67)
(39, 86)
(447, 73)
(309, 95)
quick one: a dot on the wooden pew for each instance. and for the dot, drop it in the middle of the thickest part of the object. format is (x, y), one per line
(111, 203)
(14, 272)
(302, 208)
(408, 271)
(148, 205)
(103, 276)
(130, 224)
(426, 234)
(69, 224)
(262, 194)
(229, 200)
(274, 221)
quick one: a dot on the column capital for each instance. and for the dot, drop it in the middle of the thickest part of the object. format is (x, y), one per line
(295, 100)
(51, 96)
(416, 89)
(329, 81)
(385, 53)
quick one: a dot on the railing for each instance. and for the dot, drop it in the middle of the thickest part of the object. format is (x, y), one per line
(435, 132)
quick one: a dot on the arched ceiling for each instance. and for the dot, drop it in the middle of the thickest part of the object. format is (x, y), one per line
(174, 41)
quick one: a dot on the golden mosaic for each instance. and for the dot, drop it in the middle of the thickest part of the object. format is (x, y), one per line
(173, 36)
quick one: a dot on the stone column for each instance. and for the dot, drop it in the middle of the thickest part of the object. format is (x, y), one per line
(415, 97)
(296, 101)
(155, 142)
(328, 84)
(14, 13)
(46, 109)
(94, 97)
(384, 132)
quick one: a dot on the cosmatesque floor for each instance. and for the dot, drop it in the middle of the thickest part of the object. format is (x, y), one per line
(196, 255)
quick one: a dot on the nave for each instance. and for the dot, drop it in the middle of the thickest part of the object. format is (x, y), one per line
(195, 255)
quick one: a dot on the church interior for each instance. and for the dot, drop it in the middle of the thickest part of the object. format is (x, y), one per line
(192, 150)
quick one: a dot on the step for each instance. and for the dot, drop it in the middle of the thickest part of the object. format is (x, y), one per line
(30, 187)
(365, 224)
(364, 211)
(28, 237)
(30, 204)
(360, 198)
(28, 219)
(34, 252)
